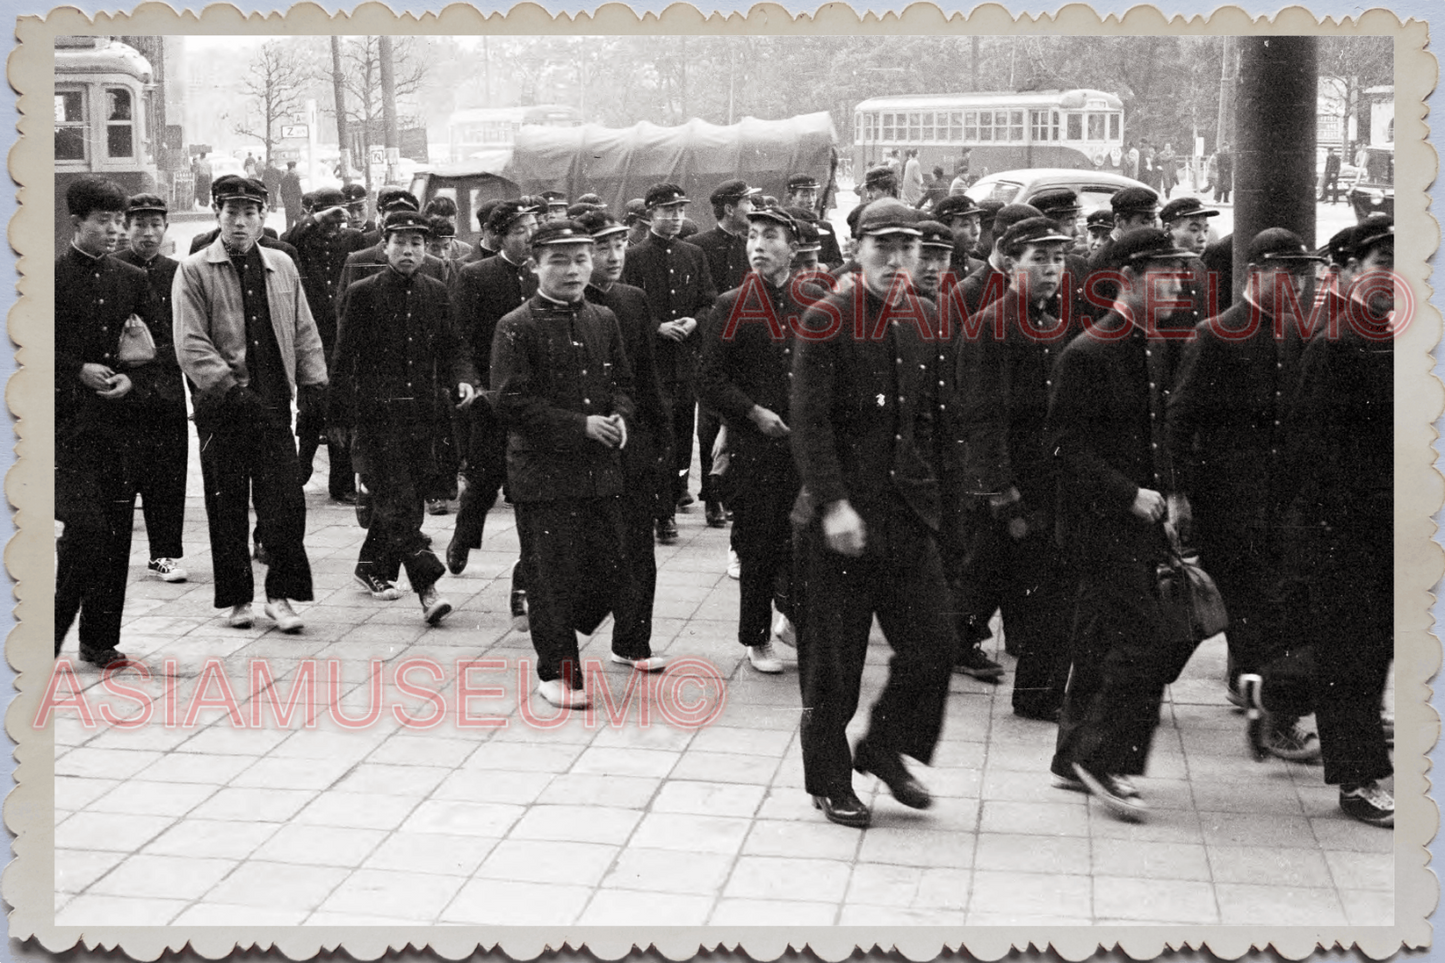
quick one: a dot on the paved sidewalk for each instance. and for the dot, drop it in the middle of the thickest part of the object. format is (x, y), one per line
(212, 825)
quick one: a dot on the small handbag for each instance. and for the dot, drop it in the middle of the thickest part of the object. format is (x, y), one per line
(136, 346)
(1193, 608)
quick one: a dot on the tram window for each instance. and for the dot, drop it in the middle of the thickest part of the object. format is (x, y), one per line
(915, 127)
(888, 128)
(985, 125)
(70, 125)
(970, 126)
(955, 126)
(1054, 129)
(1076, 127)
(119, 129)
(928, 127)
(1016, 125)
(1114, 127)
(1096, 126)
(1038, 125)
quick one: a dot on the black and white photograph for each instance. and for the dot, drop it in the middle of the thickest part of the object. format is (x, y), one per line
(730, 480)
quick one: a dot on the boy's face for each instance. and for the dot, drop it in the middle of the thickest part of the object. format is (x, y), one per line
(146, 231)
(1190, 233)
(405, 251)
(609, 255)
(99, 232)
(770, 248)
(1038, 269)
(563, 270)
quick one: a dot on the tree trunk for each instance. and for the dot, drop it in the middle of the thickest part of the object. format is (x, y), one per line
(388, 111)
(338, 87)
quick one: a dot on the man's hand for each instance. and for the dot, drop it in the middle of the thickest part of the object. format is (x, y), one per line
(688, 325)
(96, 377)
(672, 330)
(1148, 505)
(340, 437)
(768, 422)
(118, 387)
(843, 529)
(466, 393)
(604, 429)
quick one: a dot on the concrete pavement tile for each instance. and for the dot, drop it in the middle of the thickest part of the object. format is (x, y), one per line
(756, 742)
(614, 907)
(538, 861)
(1034, 818)
(211, 837)
(626, 762)
(146, 798)
(225, 741)
(947, 815)
(858, 914)
(524, 756)
(1033, 854)
(462, 818)
(669, 871)
(1339, 832)
(357, 810)
(431, 853)
(1249, 829)
(77, 792)
(282, 772)
(626, 792)
(333, 746)
(163, 877)
(492, 902)
(950, 782)
(474, 785)
(154, 736)
(1168, 766)
(1273, 794)
(320, 845)
(75, 869)
(681, 831)
(1160, 793)
(778, 877)
(583, 824)
(1278, 905)
(278, 885)
(1203, 768)
(392, 780)
(657, 734)
(1003, 894)
(403, 749)
(1318, 800)
(1131, 858)
(726, 767)
(751, 687)
(785, 718)
(419, 897)
(772, 912)
(1030, 757)
(1368, 907)
(1163, 826)
(1270, 864)
(192, 767)
(1013, 785)
(100, 910)
(1351, 870)
(573, 731)
(790, 772)
(109, 832)
(1023, 919)
(819, 840)
(910, 846)
(708, 798)
(267, 805)
(877, 884)
(1154, 900)
(104, 763)
(232, 914)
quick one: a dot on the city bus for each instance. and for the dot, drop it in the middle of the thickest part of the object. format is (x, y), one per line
(488, 133)
(102, 109)
(1081, 129)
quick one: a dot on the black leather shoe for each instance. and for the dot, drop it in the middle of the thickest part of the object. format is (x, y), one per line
(888, 767)
(685, 500)
(716, 517)
(457, 556)
(102, 658)
(666, 531)
(845, 809)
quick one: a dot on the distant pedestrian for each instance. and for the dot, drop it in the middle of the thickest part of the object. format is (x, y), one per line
(291, 194)
(912, 179)
(1224, 174)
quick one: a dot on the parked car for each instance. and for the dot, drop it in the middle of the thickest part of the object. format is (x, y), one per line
(1374, 190)
(1094, 188)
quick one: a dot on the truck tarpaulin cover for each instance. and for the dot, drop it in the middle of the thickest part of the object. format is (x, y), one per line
(621, 163)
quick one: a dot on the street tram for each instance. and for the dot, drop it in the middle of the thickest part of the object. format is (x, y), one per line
(1080, 129)
(103, 99)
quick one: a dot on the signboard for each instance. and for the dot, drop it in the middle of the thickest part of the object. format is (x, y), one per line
(300, 131)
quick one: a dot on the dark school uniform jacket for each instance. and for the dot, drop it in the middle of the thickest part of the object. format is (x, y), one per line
(678, 283)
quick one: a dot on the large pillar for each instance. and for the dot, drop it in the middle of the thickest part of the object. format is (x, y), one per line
(1274, 171)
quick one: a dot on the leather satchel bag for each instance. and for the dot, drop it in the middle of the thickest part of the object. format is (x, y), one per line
(1192, 606)
(136, 346)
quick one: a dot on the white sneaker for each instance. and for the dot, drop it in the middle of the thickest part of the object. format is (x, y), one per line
(241, 616)
(784, 631)
(735, 565)
(285, 617)
(652, 663)
(559, 694)
(167, 570)
(764, 659)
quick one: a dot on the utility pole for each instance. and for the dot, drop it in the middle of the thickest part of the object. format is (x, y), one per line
(1223, 132)
(338, 88)
(388, 110)
(973, 63)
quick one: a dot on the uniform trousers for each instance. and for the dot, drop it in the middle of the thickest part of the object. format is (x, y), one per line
(708, 426)
(573, 553)
(1244, 563)
(95, 501)
(242, 461)
(396, 461)
(1116, 684)
(485, 472)
(160, 478)
(341, 476)
(762, 535)
(681, 400)
(899, 578)
(637, 507)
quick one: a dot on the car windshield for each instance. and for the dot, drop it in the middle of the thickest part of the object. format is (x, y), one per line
(1380, 167)
(1002, 191)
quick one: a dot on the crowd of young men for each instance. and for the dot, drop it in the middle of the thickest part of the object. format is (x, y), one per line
(976, 412)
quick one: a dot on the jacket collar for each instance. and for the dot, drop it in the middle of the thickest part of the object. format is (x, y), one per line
(216, 253)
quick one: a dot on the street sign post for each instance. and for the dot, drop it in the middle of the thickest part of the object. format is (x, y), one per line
(300, 131)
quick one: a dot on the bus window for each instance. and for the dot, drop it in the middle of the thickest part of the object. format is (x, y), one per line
(915, 128)
(1054, 131)
(970, 127)
(888, 128)
(70, 125)
(119, 128)
(1038, 125)
(1096, 126)
(1114, 120)
(955, 126)
(985, 125)
(928, 128)
(1016, 125)
(1076, 127)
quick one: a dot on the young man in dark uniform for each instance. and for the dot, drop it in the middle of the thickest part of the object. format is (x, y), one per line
(160, 443)
(100, 409)
(962, 216)
(988, 283)
(803, 192)
(398, 350)
(679, 287)
(866, 409)
(745, 374)
(563, 386)
(647, 441)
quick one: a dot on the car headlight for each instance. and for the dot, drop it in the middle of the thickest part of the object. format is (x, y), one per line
(1377, 198)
